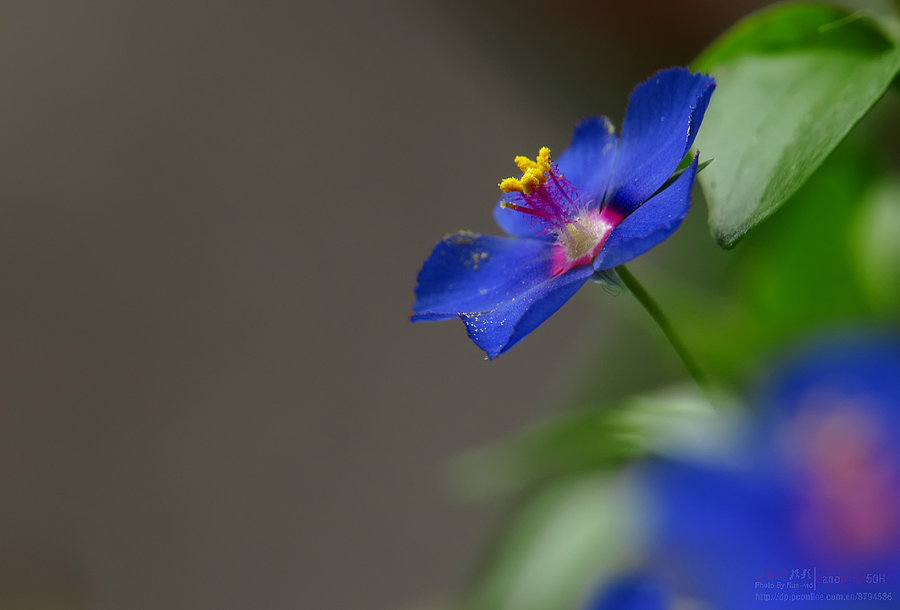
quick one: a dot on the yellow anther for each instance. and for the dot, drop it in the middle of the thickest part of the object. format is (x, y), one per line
(508, 185)
(543, 158)
(533, 173)
(530, 181)
(524, 163)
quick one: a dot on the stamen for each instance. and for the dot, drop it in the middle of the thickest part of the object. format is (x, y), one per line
(553, 207)
(524, 210)
(560, 187)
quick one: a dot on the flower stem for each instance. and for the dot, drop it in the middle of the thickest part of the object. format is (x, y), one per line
(644, 298)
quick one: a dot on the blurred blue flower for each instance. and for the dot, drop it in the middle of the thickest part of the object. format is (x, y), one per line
(811, 508)
(637, 592)
(602, 204)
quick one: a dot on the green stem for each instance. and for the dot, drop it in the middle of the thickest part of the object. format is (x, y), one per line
(641, 294)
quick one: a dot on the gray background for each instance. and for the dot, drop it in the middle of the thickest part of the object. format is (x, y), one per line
(212, 216)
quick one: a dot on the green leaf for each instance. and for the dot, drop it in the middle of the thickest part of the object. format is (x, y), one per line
(792, 81)
(560, 545)
(588, 439)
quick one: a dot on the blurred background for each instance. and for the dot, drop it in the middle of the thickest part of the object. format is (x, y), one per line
(212, 218)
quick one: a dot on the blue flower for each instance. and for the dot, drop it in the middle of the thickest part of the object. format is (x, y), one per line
(810, 506)
(600, 205)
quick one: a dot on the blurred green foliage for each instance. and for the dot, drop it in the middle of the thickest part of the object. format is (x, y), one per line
(557, 547)
(875, 247)
(658, 423)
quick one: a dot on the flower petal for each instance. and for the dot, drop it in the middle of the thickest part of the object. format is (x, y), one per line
(588, 161)
(472, 273)
(862, 368)
(663, 117)
(722, 524)
(502, 288)
(634, 592)
(498, 330)
(586, 164)
(650, 224)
